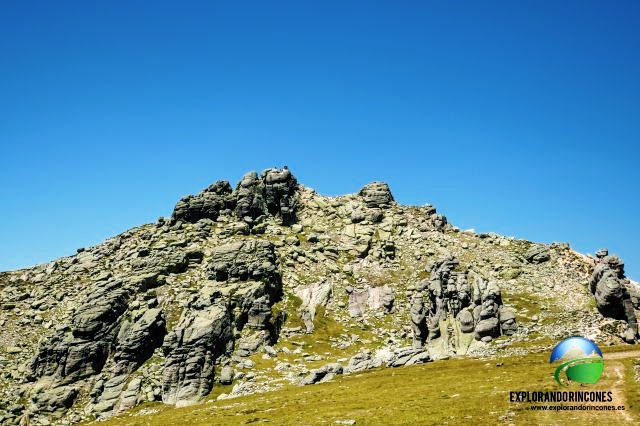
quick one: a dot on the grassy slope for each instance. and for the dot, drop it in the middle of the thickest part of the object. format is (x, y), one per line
(456, 391)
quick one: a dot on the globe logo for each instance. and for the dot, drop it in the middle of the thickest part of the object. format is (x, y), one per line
(580, 360)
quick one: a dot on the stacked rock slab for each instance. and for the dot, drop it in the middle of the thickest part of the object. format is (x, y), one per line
(243, 260)
(614, 292)
(256, 196)
(538, 254)
(207, 204)
(377, 194)
(73, 355)
(136, 341)
(359, 237)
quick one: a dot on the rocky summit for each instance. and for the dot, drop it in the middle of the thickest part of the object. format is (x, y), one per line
(270, 284)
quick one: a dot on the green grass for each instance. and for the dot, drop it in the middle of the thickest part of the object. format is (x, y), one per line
(526, 305)
(289, 305)
(319, 342)
(456, 391)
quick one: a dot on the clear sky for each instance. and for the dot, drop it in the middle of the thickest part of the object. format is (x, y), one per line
(517, 117)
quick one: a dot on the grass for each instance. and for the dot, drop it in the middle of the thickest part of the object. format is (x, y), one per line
(289, 304)
(320, 341)
(526, 305)
(456, 391)
(633, 392)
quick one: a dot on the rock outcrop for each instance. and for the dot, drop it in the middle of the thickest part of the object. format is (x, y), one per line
(377, 194)
(243, 260)
(270, 283)
(457, 309)
(271, 193)
(537, 254)
(191, 349)
(312, 296)
(418, 321)
(323, 374)
(279, 190)
(375, 298)
(614, 293)
(206, 205)
(81, 350)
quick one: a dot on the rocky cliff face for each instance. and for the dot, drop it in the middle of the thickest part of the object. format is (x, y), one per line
(272, 283)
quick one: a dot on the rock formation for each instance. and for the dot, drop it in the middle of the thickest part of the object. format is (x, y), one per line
(268, 283)
(614, 293)
(192, 348)
(377, 194)
(206, 205)
(456, 310)
(271, 193)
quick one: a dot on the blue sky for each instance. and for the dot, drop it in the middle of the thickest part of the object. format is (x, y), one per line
(521, 118)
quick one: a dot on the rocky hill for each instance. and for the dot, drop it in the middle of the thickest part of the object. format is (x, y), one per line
(271, 283)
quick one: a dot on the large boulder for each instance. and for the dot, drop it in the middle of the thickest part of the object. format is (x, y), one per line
(226, 375)
(361, 361)
(507, 321)
(312, 296)
(323, 374)
(371, 298)
(609, 295)
(465, 318)
(487, 328)
(58, 399)
(205, 205)
(381, 298)
(614, 293)
(537, 254)
(408, 356)
(377, 194)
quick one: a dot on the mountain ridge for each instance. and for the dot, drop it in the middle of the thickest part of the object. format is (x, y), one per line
(270, 282)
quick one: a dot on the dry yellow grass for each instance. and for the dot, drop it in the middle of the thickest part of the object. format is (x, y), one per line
(457, 391)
